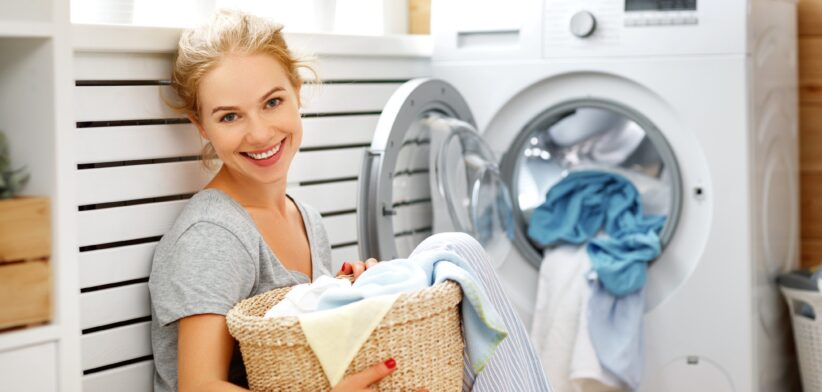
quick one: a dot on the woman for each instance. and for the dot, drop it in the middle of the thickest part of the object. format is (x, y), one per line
(242, 235)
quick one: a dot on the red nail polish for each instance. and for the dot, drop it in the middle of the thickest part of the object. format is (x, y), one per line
(343, 266)
(391, 363)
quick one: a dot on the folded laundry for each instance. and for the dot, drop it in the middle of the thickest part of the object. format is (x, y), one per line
(303, 298)
(482, 326)
(322, 330)
(336, 335)
(337, 318)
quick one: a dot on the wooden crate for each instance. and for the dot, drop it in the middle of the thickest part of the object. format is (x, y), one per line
(25, 271)
(25, 293)
(25, 229)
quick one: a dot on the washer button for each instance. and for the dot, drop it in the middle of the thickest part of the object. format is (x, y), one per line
(583, 24)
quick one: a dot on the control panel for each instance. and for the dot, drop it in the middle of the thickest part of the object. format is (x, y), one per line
(489, 30)
(639, 13)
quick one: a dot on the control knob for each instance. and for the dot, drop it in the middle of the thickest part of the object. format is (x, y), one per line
(583, 24)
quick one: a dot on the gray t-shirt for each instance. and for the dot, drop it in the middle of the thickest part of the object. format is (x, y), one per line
(211, 258)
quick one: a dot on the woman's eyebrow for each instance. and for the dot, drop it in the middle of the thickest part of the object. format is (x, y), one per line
(272, 91)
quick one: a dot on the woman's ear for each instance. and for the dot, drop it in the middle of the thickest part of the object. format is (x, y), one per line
(199, 126)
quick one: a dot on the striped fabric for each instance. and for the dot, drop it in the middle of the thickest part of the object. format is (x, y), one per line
(515, 365)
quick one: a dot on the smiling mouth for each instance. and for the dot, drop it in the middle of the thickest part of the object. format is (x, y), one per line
(259, 156)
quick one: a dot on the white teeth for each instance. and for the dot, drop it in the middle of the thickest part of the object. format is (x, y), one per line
(266, 154)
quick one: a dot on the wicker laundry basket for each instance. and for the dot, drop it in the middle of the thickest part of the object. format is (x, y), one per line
(421, 331)
(807, 331)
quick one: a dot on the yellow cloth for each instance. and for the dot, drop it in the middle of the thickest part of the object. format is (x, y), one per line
(336, 335)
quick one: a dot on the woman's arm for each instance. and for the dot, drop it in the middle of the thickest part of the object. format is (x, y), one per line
(204, 349)
(204, 352)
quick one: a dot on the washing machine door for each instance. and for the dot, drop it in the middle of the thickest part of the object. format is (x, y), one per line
(590, 134)
(428, 170)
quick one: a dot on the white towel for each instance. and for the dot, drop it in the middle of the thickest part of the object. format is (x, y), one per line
(303, 298)
(586, 374)
(560, 329)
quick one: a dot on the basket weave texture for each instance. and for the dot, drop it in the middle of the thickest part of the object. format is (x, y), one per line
(421, 331)
(807, 334)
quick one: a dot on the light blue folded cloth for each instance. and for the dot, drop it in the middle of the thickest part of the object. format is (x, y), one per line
(584, 202)
(482, 326)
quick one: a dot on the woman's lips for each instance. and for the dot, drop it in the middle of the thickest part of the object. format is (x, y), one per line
(267, 161)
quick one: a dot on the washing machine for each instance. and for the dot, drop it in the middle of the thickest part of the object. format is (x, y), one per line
(694, 101)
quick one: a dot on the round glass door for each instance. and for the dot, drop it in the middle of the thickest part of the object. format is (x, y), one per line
(411, 190)
(590, 135)
(443, 165)
(429, 171)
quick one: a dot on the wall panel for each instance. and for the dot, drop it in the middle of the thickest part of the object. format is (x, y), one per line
(810, 128)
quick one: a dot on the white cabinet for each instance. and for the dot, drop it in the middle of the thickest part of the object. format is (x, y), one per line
(36, 116)
(32, 369)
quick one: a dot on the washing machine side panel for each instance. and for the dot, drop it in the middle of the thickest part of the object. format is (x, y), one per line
(774, 186)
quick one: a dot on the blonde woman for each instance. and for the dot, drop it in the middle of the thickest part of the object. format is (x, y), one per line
(242, 235)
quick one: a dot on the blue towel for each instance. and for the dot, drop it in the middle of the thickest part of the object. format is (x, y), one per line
(483, 328)
(584, 202)
(621, 263)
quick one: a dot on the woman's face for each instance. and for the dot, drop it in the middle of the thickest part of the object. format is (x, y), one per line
(250, 112)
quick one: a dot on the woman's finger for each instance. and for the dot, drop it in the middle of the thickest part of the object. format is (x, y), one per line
(370, 263)
(374, 374)
(359, 268)
(346, 269)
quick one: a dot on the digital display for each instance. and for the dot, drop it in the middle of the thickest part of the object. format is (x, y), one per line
(660, 5)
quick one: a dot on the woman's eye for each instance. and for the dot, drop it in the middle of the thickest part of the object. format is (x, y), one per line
(229, 117)
(272, 102)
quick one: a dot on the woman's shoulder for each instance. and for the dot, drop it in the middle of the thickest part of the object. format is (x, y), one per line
(214, 207)
(213, 213)
(312, 215)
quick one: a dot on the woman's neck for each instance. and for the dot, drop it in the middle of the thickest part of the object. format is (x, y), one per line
(251, 194)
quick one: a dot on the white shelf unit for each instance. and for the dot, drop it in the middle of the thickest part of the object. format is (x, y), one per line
(36, 117)
(13, 340)
(33, 11)
(28, 29)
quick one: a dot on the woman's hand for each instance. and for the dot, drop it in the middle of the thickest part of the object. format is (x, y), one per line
(363, 380)
(356, 268)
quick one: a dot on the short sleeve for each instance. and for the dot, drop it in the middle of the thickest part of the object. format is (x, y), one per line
(207, 270)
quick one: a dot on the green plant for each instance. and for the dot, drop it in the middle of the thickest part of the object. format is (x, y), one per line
(11, 181)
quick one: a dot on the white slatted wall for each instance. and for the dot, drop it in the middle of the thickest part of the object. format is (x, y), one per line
(136, 170)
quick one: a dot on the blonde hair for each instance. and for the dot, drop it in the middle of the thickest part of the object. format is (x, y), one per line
(228, 32)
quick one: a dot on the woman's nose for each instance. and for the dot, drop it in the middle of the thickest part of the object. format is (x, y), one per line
(259, 132)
